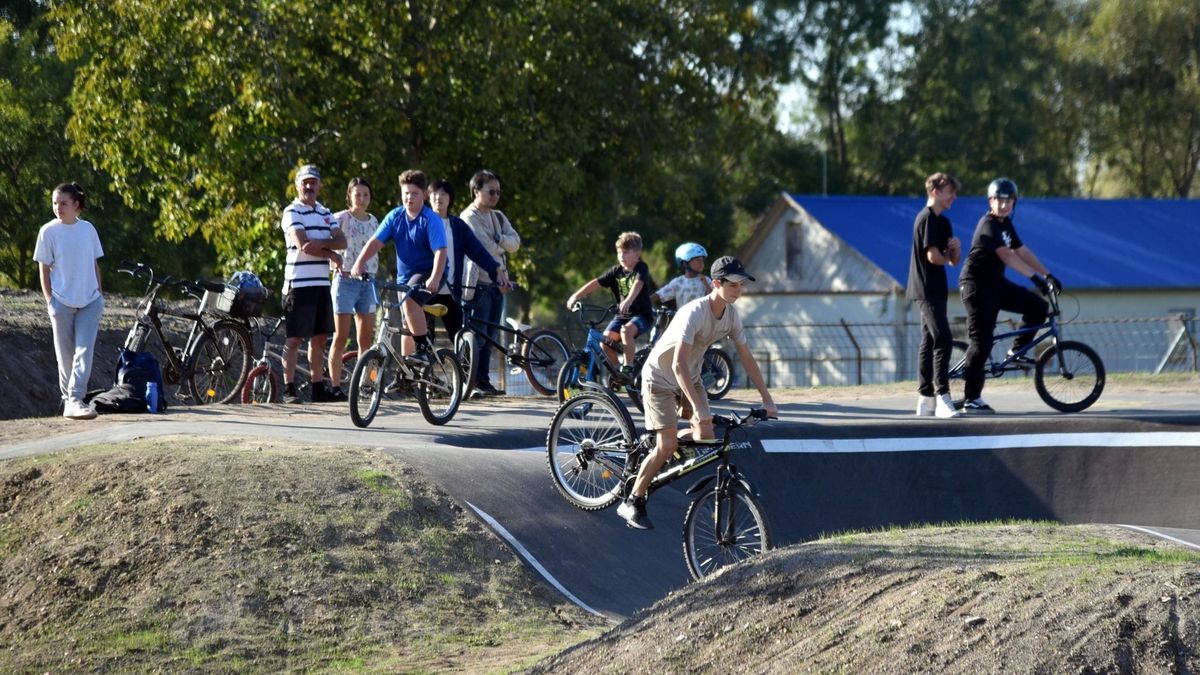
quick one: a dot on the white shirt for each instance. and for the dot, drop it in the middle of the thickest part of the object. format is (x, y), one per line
(683, 290)
(358, 234)
(694, 325)
(71, 252)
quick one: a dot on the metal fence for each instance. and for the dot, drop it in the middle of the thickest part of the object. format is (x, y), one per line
(803, 355)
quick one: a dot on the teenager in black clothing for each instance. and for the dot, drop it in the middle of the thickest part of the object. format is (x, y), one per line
(985, 291)
(934, 247)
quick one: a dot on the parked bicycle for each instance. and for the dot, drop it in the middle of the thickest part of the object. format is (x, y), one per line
(262, 383)
(213, 362)
(539, 353)
(382, 372)
(1068, 375)
(593, 456)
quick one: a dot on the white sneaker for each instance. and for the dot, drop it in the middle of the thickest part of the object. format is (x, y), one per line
(925, 406)
(945, 407)
(78, 410)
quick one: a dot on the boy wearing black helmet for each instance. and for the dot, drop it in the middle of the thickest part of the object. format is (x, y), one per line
(985, 290)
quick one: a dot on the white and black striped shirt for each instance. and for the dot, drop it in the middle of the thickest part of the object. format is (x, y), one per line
(302, 269)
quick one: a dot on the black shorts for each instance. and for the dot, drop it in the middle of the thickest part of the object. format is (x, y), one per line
(308, 312)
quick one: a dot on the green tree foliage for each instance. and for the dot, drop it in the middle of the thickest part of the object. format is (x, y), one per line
(1139, 70)
(981, 96)
(599, 116)
(35, 155)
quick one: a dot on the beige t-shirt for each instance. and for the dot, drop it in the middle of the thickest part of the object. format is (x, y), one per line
(696, 326)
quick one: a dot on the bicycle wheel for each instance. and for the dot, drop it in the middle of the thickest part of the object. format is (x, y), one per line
(220, 361)
(717, 373)
(366, 386)
(544, 353)
(439, 390)
(723, 526)
(1076, 384)
(588, 442)
(261, 386)
(572, 373)
(466, 346)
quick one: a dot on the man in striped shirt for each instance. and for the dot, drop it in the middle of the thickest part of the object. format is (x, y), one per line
(313, 240)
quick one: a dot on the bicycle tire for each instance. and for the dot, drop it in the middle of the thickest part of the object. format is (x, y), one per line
(439, 390)
(570, 376)
(551, 352)
(717, 373)
(366, 386)
(1080, 387)
(723, 526)
(587, 445)
(261, 386)
(218, 363)
(466, 346)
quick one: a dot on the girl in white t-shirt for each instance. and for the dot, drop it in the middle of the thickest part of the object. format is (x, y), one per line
(353, 297)
(67, 252)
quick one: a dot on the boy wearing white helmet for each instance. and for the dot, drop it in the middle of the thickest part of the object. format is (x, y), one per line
(691, 284)
(985, 290)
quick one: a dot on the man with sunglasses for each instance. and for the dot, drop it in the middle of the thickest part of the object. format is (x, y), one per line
(671, 376)
(497, 235)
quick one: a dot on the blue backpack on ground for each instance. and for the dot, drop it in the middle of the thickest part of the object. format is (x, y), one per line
(139, 386)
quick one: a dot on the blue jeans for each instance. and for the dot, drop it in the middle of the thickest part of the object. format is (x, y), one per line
(75, 331)
(489, 306)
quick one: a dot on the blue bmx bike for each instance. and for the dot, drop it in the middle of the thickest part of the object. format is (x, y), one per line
(1068, 375)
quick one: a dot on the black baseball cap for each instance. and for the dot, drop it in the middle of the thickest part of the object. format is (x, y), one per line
(729, 268)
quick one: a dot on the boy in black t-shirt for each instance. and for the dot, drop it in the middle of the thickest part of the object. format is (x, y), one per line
(985, 291)
(934, 247)
(629, 282)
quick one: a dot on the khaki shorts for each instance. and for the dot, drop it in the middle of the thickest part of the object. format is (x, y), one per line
(666, 406)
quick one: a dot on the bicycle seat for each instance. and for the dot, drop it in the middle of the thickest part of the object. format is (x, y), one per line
(436, 310)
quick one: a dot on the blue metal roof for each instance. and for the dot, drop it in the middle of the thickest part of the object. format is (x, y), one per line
(1088, 243)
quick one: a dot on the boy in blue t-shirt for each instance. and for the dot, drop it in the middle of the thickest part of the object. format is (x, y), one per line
(420, 239)
(628, 280)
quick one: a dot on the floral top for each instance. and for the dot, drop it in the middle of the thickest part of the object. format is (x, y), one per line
(358, 235)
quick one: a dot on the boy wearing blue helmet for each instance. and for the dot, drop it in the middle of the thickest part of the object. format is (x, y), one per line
(691, 284)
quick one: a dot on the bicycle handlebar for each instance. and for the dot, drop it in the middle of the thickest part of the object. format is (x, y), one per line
(734, 421)
(194, 288)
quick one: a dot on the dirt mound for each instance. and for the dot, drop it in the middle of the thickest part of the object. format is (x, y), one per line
(171, 554)
(1015, 599)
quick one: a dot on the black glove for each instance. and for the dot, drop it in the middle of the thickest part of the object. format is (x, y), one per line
(1055, 284)
(421, 295)
(1040, 281)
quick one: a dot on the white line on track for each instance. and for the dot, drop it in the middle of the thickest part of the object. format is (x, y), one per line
(1168, 537)
(1152, 439)
(533, 562)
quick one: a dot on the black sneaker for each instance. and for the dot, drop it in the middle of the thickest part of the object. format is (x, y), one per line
(421, 358)
(289, 393)
(335, 395)
(977, 407)
(633, 510)
(320, 394)
(483, 389)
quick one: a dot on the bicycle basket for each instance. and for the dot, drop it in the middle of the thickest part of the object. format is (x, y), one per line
(243, 297)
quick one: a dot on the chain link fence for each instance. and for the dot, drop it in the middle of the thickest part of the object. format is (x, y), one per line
(804, 355)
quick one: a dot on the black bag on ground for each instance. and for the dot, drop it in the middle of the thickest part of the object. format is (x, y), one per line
(122, 398)
(134, 371)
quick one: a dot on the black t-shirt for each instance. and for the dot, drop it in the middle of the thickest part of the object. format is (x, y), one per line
(927, 281)
(617, 280)
(983, 266)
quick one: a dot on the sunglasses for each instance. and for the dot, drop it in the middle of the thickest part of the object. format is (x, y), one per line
(493, 192)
